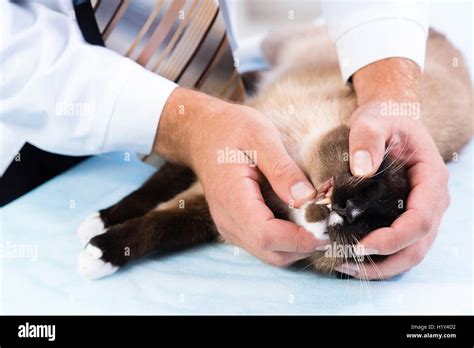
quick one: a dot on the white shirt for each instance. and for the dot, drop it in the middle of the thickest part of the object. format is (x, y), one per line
(65, 96)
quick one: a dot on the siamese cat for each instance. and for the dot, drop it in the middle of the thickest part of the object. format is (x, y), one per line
(304, 96)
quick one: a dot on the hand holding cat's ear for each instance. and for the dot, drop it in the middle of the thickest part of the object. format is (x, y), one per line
(385, 82)
(376, 85)
(409, 238)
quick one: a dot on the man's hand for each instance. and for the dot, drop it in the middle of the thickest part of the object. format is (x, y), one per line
(374, 126)
(211, 136)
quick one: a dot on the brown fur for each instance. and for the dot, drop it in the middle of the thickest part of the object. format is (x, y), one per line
(160, 187)
(316, 212)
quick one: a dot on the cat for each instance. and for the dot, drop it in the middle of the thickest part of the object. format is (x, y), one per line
(304, 96)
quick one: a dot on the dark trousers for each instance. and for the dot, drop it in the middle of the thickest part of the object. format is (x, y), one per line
(34, 168)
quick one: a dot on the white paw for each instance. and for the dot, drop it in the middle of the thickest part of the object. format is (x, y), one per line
(92, 226)
(317, 229)
(90, 266)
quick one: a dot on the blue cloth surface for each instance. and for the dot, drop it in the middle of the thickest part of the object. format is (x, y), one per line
(211, 279)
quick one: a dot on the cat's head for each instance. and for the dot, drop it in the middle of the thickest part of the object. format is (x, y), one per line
(362, 205)
(358, 206)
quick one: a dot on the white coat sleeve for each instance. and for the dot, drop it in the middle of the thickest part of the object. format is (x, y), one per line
(65, 96)
(368, 31)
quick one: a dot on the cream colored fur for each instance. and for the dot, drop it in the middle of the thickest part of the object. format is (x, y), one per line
(305, 97)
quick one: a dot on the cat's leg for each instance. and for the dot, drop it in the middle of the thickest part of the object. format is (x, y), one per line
(167, 182)
(163, 230)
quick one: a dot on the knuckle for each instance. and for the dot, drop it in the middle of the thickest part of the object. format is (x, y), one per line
(393, 245)
(305, 243)
(282, 169)
(278, 260)
(416, 256)
(247, 129)
(370, 129)
(300, 244)
(263, 241)
(255, 127)
(426, 224)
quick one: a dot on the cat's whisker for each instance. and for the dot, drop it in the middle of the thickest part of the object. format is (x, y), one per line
(404, 162)
(402, 150)
(361, 268)
(312, 263)
(404, 144)
(372, 262)
(345, 258)
(388, 150)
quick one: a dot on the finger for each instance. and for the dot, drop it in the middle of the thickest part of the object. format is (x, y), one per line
(260, 228)
(395, 264)
(280, 235)
(429, 187)
(367, 139)
(286, 178)
(410, 227)
(425, 206)
(281, 259)
(415, 145)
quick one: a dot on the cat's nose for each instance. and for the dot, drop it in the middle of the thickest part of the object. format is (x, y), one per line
(348, 211)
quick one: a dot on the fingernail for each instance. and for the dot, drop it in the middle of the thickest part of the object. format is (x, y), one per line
(322, 247)
(301, 190)
(362, 162)
(361, 250)
(348, 268)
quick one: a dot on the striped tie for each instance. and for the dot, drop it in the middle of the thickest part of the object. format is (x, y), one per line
(182, 40)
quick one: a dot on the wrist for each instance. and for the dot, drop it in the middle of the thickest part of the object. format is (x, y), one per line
(181, 120)
(396, 79)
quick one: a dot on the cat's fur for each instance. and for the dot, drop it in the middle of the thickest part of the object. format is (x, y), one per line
(310, 105)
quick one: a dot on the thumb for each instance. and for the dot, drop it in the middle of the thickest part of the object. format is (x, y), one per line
(286, 178)
(366, 145)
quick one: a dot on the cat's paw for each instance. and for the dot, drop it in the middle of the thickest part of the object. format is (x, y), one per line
(312, 217)
(91, 265)
(92, 226)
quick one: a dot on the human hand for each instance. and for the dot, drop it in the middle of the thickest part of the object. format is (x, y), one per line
(211, 137)
(409, 238)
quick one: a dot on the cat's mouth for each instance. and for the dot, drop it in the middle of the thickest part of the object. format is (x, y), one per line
(325, 189)
(324, 194)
